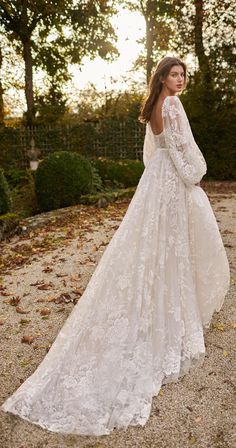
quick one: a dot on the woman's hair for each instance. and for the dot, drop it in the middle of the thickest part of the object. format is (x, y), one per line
(155, 85)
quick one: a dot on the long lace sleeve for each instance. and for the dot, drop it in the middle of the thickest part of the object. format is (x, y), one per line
(185, 154)
(148, 146)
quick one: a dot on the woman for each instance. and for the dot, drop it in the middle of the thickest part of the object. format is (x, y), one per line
(139, 323)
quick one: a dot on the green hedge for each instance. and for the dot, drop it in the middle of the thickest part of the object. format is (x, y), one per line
(5, 194)
(126, 173)
(61, 179)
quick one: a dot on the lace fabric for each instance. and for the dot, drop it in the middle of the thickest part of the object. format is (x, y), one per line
(139, 323)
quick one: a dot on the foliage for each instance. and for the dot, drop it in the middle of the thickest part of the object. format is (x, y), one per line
(50, 107)
(61, 179)
(125, 173)
(160, 25)
(97, 184)
(108, 196)
(11, 154)
(213, 122)
(8, 224)
(22, 185)
(17, 178)
(94, 105)
(52, 34)
(5, 194)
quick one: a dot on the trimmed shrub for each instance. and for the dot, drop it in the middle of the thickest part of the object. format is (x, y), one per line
(61, 179)
(5, 194)
(123, 172)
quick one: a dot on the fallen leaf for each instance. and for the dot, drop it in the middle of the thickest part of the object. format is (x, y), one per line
(24, 362)
(27, 339)
(25, 321)
(14, 300)
(21, 310)
(5, 293)
(219, 326)
(64, 298)
(225, 353)
(45, 286)
(78, 291)
(36, 347)
(192, 440)
(161, 392)
(45, 312)
(36, 283)
(2, 320)
(198, 419)
(51, 299)
(47, 269)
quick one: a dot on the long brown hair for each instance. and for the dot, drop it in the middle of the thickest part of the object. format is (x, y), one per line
(155, 84)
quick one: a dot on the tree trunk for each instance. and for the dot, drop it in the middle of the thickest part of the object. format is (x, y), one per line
(29, 93)
(199, 46)
(1, 95)
(149, 19)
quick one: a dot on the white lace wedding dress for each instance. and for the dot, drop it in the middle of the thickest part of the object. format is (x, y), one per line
(140, 321)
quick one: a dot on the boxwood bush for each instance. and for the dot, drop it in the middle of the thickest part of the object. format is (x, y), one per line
(5, 194)
(124, 172)
(61, 179)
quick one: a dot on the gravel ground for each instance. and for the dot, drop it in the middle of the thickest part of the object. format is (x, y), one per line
(44, 274)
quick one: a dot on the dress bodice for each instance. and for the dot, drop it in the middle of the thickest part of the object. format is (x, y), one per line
(159, 139)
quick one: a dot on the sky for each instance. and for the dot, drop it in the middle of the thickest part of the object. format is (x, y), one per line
(129, 27)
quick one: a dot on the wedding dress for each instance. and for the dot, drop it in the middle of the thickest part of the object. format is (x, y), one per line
(139, 323)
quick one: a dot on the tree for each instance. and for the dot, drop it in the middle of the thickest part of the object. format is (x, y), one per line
(1, 93)
(52, 33)
(158, 16)
(206, 29)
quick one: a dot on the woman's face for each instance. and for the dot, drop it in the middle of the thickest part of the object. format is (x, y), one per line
(174, 82)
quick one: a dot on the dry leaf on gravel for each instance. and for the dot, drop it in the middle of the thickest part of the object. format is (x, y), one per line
(14, 300)
(27, 339)
(21, 310)
(45, 286)
(64, 298)
(47, 269)
(36, 283)
(218, 326)
(5, 293)
(25, 321)
(45, 312)
(192, 440)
